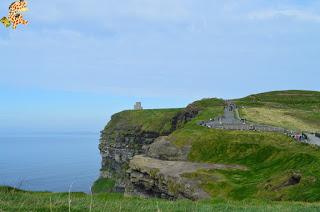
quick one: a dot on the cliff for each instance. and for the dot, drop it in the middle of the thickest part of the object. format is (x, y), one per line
(129, 132)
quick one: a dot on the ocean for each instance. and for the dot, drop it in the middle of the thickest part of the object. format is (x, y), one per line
(54, 162)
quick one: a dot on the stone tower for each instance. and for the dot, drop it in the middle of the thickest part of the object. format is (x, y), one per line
(138, 106)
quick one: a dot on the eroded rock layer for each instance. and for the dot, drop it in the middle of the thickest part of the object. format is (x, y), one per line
(159, 178)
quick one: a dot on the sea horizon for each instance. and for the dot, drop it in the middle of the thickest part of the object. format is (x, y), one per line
(49, 161)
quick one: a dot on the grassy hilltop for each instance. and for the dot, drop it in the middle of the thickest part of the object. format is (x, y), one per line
(273, 159)
(155, 120)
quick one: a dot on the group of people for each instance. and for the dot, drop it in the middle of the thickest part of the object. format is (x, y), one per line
(297, 136)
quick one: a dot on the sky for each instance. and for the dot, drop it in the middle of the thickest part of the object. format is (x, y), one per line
(78, 62)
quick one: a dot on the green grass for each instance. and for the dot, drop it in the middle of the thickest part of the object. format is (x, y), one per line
(268, 156)
(158, 120)
(293, 119)
(15, 200)
(209, 108)
(208, 103)
(291, 98)
(103, 185)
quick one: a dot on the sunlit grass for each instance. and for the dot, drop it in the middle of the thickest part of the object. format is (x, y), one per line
(287, 118)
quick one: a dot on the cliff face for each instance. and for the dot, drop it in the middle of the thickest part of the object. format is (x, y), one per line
(117, 148)
(130, 132)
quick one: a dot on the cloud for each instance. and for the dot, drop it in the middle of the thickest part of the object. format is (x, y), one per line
(301, 15)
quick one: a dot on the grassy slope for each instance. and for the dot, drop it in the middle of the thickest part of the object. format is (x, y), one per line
(13, 200)
(299, 110)
(271, 158)
(158, 120)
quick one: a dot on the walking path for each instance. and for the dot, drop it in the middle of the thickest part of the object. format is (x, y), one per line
(312, 139)
(231, 121)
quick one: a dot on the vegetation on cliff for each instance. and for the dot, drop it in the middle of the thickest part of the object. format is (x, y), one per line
(103, 185)
(157, 120)
(162, 121)
(272, 160)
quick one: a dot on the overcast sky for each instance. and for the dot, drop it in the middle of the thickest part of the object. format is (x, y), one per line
(78, 62)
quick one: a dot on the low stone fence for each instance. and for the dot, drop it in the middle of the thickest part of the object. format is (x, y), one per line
(245, 127)
(256, 127)
(269, 129)
(236, 127)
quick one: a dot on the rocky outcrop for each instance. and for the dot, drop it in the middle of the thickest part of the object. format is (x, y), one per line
(164, 150)
(292, 179)
(160, 178)
(187, 114)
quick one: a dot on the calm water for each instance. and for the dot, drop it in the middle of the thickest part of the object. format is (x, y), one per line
(49, 163)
